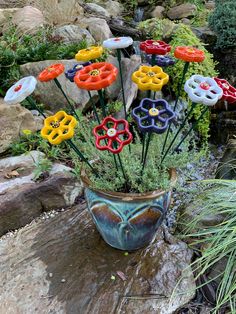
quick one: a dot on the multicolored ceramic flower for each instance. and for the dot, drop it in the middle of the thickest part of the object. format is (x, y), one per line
(51, 72)
(58, 128)
(112, 135)
(155, 47)
(96, 76)
(229, 92)
(189, 54)
(20, 90)
(161, 61)
(203, 90)
(153, 115)
(70, 74)
(89, 53)
(118, 42)
(150, 78)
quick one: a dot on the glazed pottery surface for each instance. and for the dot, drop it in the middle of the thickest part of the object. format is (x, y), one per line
(127, 221)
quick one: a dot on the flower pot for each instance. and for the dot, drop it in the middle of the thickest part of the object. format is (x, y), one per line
(127, 221)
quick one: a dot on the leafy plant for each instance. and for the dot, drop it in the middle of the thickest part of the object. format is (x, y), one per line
(223, 22)
(216, 242)
(43, 166)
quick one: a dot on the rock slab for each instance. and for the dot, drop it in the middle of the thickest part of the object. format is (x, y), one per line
(181, 11)
(22, 199)
(63, 266)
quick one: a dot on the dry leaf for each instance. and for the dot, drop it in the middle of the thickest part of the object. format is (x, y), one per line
(121, 275)
(11, 174)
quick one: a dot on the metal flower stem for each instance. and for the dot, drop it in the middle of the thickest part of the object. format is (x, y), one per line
(177, 133)
(185, 70)
(78, 152)
(143, 146)
(154, 95)
(146, 151)
(121, 81)
(122, 169)
(149, 93)
(33, 104)
(94, 107)
(72, 109)
(189, 131)
(100, 94)
(153, 60)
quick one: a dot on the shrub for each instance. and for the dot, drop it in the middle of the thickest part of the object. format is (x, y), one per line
(223, 22)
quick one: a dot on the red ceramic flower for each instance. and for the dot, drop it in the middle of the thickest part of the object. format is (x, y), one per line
(189, 54)
(112, 135)
(229, 92)
(155, 47)
(96, 76)
(51, 72)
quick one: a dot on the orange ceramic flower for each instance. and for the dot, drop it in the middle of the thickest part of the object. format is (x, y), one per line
(51, 72)
(96, 76)
(58, 128)
(89, 53)
(189, 54)
(150, 78)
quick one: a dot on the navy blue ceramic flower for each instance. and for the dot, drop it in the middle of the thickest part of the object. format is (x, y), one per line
(70, 74)
(161, 61)
(153, 115)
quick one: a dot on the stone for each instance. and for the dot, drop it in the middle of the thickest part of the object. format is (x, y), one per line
(181, 11)
(97, 9)
(28, 20)
(206, 35)
(48, 93)
(114, 8)
(14, 119)
(23, 199)
(186, 21)
(60, 12)
(226, 169)
(210, 5)
(9, 4)
(223, 126)
(158, 12)
(61, 264)
(97, 27)
(73, 33)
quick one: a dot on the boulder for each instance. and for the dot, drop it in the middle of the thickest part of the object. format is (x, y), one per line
(14, 119)
(28, 20)
(61, 265)
(48, 93)
(8, 4)
(158, 12)
(97, 9)
(73, 33)
(23, 199)
(114, 8)
(97, 27)
(210, 5)
(181, 11)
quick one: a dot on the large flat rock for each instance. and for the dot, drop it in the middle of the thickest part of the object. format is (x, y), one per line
(22, 199)
(62, 266)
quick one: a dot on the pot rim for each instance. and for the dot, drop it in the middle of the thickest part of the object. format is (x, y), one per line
(131, 196)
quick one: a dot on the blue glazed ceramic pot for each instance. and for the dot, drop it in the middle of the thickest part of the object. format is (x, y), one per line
(127, 221)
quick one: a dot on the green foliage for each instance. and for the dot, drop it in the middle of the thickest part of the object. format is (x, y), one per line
(217, 241)
(42, 167)
(16, 50)
(181, 35)
(223, 22)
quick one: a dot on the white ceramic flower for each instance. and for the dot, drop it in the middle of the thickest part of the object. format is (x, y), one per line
(118, 42)
(19, 91)
(203, 90)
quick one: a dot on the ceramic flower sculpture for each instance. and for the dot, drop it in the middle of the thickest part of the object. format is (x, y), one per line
(229, 92)
(89, 53)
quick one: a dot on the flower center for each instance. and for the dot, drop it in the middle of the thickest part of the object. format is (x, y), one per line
(155, 43)
(226, 85)
(153, 112)
(111, 132)
(79, 67)
(117, 39)
(55, 124)
(17, 88)
(50, 69)
(151, 74)
(190, 50)
(95, 72)
(205, 85)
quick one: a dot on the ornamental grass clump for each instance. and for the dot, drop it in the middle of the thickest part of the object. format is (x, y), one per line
(137, 153)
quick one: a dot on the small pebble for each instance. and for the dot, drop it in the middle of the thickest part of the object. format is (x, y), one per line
(113, 277)
(63, 280)
(50, 275)
(126, 254)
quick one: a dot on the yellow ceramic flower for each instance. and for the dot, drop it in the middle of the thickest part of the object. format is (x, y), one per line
(58, 128)
(89, 53)
(150, 78)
